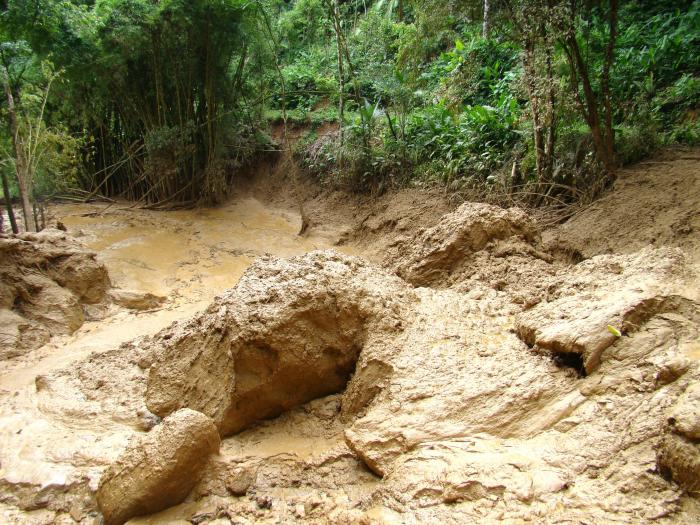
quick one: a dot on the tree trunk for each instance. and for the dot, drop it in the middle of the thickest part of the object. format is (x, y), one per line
(21, 165)
(8, 202)
(335, 15)
(486, 28)
(589, 110)
(605, 85)
(550, 116)
(603, 133)
(530, 70)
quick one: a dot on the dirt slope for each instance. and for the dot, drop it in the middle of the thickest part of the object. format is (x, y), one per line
(653, 203)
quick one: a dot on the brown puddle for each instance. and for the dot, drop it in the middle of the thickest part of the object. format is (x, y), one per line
(194, 254)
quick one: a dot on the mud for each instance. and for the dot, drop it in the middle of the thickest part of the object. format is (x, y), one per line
(480, 380)
(45, 280)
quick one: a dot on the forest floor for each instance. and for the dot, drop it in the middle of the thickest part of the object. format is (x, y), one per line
(486, 387)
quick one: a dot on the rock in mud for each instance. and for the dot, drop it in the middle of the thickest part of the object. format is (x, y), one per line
(45, 279)
(159, 469)
(685, 416)
(135, 300)
(289, 332)
(620, 292)
(680, 458)
(436, 252)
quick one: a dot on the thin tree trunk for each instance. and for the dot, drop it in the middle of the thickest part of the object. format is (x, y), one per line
(486, 28)
(8, 202)
(590, 112)
(35, 213)
(274, 47)
(550, 116)
(603, 133)
(531, 84)
(335, 15)
(20, 159)
(605, 85)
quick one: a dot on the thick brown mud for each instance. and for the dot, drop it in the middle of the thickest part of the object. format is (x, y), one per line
(471, 372)
(49, 433)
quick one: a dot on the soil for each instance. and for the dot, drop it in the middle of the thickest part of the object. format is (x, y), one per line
(402, 360)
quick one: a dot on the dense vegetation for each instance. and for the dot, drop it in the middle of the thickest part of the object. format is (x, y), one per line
(165, 102)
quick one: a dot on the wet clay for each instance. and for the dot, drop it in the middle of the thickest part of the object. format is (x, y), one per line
(470, 370)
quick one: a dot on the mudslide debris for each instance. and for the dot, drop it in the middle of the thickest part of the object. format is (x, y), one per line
(45, 278)
(289, 332)
(437, 252)
(159, 469)
(487, 389)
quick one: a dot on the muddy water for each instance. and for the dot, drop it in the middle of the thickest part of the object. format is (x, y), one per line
(186, 256)
(191, 254)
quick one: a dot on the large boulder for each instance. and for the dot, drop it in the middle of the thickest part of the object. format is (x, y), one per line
(289, 332)
(158, 470)
(45, 278)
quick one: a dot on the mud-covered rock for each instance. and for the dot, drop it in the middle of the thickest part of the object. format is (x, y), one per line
(289, 332)
(45, 279)
(435, 253)
(685, 416)
(135, 300)
(159, 469)
(680, 458)
(18, 334)
(597, 298)
(456, 372)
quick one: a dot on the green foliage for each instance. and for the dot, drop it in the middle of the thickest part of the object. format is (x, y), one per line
(166, 100)
(308, 80)
(304, 24)
(156, 84)
(471, 144)
(479, 72)
(60, 169)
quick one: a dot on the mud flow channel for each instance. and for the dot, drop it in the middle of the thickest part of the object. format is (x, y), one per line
(188, 257)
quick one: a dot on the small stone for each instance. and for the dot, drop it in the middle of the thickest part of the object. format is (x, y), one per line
(680, 458)
(76, 511)
(239, 481)
(263, 502)
(206, 515)
(299, 511)
(136, 300)
(146, 419)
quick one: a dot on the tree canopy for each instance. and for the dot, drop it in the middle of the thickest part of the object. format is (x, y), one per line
(166, 102)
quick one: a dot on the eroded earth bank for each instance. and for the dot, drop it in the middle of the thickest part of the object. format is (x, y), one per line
(402, 361)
